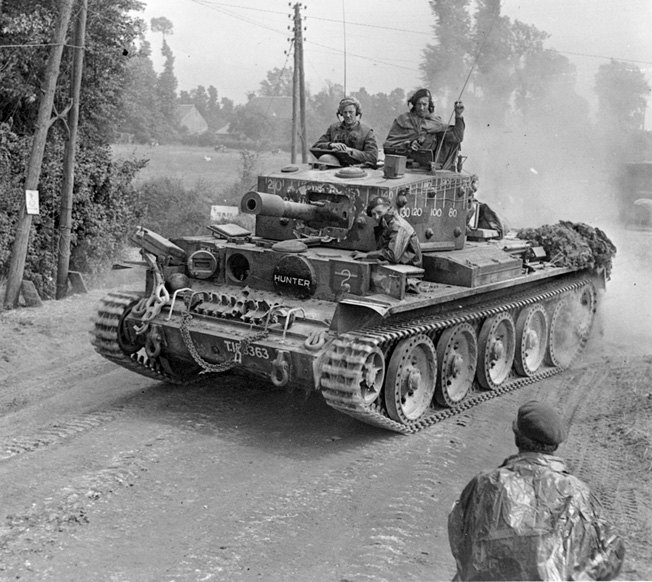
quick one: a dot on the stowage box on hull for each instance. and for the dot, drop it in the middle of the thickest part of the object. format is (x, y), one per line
(473, 266)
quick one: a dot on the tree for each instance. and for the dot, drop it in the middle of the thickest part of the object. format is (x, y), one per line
(277, 84)
(140, 113)
(445, 63)
(251, 122)
(622, 92)
(105, 207)
(200, 99)
(166, 87)
(492, 47)
(213, 107)
(162, 25)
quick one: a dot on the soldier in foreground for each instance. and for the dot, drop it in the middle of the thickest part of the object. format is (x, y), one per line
(530, 519)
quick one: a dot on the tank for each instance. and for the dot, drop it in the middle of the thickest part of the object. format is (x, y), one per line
(392, 345)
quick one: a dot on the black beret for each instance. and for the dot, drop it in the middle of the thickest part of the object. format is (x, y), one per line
(419, 94)
(377, 201)
(540, 422)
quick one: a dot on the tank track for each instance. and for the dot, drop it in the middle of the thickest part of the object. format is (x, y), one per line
(343, 363)
(105, 338)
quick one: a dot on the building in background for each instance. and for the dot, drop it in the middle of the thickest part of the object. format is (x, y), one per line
(191, 119)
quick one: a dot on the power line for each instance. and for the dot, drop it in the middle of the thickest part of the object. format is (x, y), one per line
(37, 44)
(215, 6)
(602, 57)
(210, 3)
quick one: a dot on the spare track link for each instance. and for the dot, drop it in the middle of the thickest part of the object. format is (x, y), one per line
(343, 364)
(105, 338)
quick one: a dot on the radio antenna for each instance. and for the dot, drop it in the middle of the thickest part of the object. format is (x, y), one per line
(475, 62)
(344, 29)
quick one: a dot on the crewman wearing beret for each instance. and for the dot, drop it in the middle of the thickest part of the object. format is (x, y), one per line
(530, 519)
(419, 132)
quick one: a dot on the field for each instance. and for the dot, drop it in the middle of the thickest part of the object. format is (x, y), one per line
(192, 164)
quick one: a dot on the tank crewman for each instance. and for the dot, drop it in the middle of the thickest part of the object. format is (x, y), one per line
(350, 136)
(420, 130)
(397, 243)
(530, 519)
(487, 217)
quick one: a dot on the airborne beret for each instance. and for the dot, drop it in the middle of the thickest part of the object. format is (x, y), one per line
(540, 422)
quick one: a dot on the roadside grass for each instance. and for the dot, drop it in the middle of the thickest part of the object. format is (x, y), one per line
(191, 164)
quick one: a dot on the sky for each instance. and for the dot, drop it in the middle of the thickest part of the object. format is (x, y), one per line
(375, 44)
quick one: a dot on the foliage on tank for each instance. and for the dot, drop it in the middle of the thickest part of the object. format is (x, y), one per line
(573, 244)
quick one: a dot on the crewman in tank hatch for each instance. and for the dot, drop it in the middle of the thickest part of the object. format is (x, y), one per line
(424, 137)
(349, 141)
(397, 242)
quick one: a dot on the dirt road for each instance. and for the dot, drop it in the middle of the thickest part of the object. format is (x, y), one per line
(108, 476)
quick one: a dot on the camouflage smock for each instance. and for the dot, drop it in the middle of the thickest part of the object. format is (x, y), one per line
(409, 126)
(530, 519)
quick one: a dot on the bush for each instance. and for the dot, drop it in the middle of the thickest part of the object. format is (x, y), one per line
(105, 207)
(172, 210)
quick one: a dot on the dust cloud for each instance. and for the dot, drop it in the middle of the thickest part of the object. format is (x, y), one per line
(556, 164)
(623, 323)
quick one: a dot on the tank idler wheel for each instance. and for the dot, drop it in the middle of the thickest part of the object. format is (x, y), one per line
(411, 377)
(373, 375)
(570, 325)
(531, 339)
(584, 301)
(457, 358)
(497, 346)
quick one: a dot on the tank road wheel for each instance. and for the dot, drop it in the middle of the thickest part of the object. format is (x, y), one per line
(497, 345)
(373, 375)
(457, 356)
(531, 339)
(411, 377)
(570, 325)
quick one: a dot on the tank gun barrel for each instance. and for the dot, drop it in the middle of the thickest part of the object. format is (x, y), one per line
(272, 205)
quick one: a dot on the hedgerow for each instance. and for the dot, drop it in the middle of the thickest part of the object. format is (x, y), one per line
(105, 208)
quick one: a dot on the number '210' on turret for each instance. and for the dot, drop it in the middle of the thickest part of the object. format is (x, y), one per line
(292, 303)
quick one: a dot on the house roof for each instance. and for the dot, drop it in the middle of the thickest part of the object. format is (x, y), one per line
(277, 107)
(185, 107)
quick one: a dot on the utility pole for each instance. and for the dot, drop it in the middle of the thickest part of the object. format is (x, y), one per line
(298, 91)
(65, 215)
(43, 123)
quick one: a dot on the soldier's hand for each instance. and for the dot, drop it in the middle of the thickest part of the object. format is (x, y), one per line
(340, 147)
(459, 108)
(415, 145)
(359, 255)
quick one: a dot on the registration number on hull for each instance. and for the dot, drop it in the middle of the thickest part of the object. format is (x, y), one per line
(253, 351)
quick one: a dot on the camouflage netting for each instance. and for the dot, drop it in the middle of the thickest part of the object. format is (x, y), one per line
(573, 244)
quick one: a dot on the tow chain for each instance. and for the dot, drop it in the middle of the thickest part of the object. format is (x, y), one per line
(240, 348)
(149, 307)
